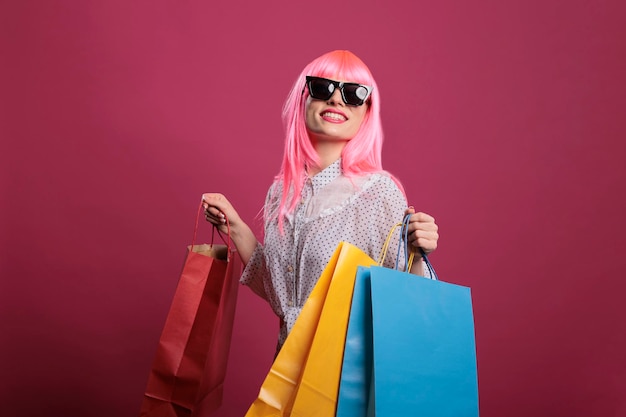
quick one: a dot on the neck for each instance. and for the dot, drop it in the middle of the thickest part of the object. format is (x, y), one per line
(328, 151)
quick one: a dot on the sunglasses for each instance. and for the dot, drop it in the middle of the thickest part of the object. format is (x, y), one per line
(353, 94)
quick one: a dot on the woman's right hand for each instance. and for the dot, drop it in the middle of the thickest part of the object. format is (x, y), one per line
(217, 209)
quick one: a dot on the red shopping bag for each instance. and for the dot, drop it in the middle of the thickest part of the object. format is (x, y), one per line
(189, 367)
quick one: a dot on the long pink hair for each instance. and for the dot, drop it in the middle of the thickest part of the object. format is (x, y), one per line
(362, 154)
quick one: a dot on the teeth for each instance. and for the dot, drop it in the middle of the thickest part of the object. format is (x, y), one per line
(334, 116)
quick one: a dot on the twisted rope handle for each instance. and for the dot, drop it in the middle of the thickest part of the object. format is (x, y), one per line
(227, 241)
(403, 243)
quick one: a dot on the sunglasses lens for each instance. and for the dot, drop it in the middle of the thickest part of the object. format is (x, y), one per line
(355, 94)
(321, 89)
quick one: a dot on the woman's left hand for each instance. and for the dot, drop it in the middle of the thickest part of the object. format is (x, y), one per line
(423, 231)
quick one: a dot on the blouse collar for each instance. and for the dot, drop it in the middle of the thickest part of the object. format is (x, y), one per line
(326, 176)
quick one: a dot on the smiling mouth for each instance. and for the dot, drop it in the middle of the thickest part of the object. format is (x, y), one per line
(334, 116)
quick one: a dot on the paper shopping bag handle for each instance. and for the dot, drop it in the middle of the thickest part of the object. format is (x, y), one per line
(403, 243)
(195, 232)
(385, 248)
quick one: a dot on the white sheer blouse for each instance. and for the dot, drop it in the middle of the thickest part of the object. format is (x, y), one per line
(333, 208)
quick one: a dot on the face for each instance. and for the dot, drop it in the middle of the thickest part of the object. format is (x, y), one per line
(333, 119)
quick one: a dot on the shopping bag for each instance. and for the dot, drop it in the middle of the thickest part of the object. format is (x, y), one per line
(410, 347)
(282, 383)
(424, 351)
(188, 371)
(316, 394)
(355, 382)
(356, 371)
(424, 355)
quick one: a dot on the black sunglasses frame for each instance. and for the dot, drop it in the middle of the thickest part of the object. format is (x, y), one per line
(338, 85)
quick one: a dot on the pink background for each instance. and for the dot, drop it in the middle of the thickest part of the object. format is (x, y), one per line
(504, 119)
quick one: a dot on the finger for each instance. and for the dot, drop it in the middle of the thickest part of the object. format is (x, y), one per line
(426, 244)
(212, 199)
(424, 234)
(428, 227)
(217, 222)
(212, 212)
(219, 218)
(215, 211)
(422, 217)
(212, 220)
(206, 197)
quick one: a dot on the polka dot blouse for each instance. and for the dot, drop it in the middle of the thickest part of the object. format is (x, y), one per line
(333, 208)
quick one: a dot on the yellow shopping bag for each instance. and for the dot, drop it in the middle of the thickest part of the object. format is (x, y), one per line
(317, 391)
(304, 378)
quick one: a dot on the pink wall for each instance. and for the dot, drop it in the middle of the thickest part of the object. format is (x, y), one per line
(504, 119)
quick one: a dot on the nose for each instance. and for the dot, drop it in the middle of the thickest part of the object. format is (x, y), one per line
(336, 97)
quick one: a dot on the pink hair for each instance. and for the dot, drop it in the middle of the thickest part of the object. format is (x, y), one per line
(362, 154)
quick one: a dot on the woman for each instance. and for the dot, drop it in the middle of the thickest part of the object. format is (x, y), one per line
(331, 187)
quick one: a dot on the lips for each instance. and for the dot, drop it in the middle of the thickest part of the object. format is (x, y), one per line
(333, 116)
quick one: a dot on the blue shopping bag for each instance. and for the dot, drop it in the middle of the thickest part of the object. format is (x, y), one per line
(354, 385)
(410, 346)
(424, 351)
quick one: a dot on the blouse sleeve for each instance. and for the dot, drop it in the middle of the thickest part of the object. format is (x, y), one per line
(255, 274)
(393, 206)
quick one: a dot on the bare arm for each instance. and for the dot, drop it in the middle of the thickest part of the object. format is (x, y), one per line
(217, 210)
